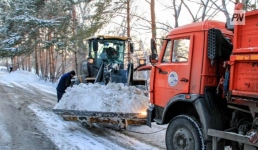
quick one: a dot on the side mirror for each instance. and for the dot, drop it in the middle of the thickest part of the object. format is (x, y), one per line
(131, 48)
(153, 46)
(153, 58)
(95, 45)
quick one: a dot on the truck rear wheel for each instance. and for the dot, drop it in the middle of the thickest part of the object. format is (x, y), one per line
(184, 133)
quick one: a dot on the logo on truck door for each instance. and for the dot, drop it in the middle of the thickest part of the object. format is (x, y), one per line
(172, 78)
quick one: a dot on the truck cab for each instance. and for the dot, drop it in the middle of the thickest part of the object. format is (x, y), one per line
(184, 80)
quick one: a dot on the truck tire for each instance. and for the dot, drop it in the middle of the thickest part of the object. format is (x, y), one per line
(184, 133)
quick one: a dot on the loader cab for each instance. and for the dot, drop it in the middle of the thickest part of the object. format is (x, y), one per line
(108, 50)
(105, 53)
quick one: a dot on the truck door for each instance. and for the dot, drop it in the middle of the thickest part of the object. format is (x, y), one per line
(172, 73)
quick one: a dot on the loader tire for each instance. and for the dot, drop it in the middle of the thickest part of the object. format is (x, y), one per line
(184, 133)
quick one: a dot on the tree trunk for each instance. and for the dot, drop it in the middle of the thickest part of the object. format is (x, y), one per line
(42, 62)
(16, 62)
(26, 63)
(73, 31)
(153, 20)
(13, 63)
(49, 56)
(177, 10)
(36, 58)
(46, 64)
(29, 64)
(52, 65)
(128, 27)
(49, 59)
(63, 62)
(22, 63)
(7, 65)
(76, 62)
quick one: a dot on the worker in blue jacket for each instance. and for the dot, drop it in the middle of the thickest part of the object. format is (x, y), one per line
(63, 83)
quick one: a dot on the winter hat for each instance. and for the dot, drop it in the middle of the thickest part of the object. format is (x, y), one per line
(72, 72)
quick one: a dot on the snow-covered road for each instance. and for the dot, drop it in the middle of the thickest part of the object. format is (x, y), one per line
(36, 99)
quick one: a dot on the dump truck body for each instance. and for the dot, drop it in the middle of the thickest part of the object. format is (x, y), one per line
(242, 92)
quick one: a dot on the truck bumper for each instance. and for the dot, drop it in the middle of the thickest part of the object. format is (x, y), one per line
(150, 112)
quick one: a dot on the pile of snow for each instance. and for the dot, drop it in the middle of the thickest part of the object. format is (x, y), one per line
(113, 97)
(21, 76)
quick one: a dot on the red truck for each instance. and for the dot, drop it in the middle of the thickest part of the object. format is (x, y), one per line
(204, 85)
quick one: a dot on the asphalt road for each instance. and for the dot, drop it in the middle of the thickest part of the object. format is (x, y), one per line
(18, 124)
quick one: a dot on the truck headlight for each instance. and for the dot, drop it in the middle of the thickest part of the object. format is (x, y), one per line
(142, 62)
(143, 113)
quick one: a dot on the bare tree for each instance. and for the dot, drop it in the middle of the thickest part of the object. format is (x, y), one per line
(205, 9)
(222, 8)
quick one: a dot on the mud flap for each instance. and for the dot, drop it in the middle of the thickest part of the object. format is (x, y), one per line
(150, 115)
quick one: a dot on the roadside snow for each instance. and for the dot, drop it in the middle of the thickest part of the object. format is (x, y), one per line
(23, 78)
(112, 97)
(20, 76)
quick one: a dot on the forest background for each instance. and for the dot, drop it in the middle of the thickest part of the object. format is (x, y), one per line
(48, 37)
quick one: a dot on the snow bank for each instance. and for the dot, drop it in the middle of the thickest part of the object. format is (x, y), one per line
(21, 76)
(110, 98)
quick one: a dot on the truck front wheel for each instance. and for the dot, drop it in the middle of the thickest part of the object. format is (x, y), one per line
(184, 133)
